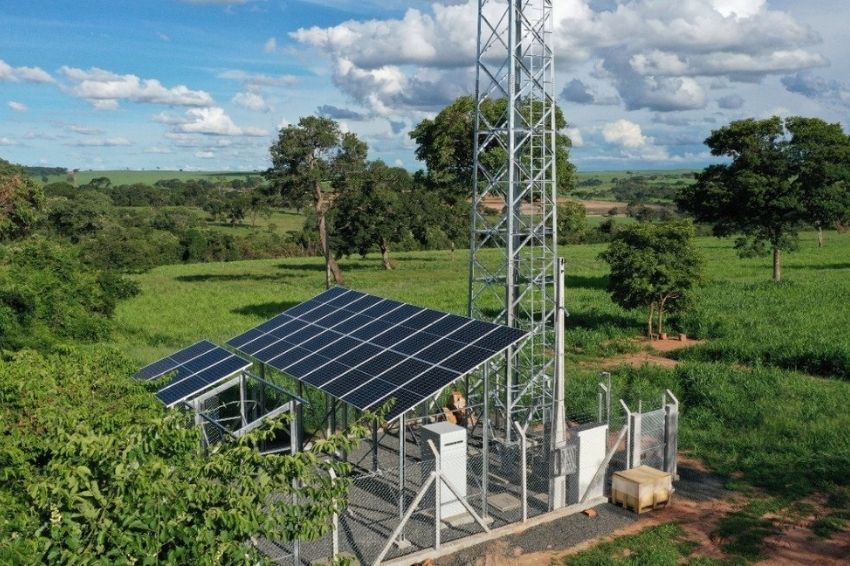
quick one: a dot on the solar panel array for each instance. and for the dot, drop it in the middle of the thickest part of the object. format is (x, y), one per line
(365, 350)
(195, 369)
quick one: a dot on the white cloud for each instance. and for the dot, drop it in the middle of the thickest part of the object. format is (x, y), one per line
(103, 142)
(7, 141)
(205, 154)
(26, 74)
(252, 101)
(624, 133)
(104, 89)
(168, 118)
(657, 55)
(17, 106)
(213, 121)
(157, 150)
(85, 130)
(259, 80)
(575, 136)
(270, 46)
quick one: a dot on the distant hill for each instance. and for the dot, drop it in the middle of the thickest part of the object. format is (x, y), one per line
(119, 177)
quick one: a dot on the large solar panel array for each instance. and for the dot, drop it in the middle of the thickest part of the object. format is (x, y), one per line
(365, 350)
(195, 369)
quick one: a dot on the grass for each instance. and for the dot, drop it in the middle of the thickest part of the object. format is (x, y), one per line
(664, 545)
(602, 191)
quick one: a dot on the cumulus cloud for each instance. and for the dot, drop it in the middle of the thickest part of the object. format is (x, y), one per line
(624, 133)
(253, 101)
(731, 102)
(338, 113)
(657, 55)
(579, 92)
(23, 74)
(104, 89)
(575, 136)
(205, 154)
(7, 141)
(818, 88)
(214, 122)
(270, 46)
(17, 106)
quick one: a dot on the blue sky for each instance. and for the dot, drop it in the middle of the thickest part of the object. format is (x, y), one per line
(205, 84)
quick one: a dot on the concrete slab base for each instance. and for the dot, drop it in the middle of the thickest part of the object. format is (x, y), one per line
(503, 502)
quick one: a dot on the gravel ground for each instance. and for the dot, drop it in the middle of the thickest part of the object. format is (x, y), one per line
(556, 535)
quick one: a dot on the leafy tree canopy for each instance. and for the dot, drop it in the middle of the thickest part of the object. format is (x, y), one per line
(781, 175)
(445, 144)
(22, 202)
(653, 266)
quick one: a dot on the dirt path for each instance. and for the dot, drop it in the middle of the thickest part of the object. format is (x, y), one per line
(652, 353)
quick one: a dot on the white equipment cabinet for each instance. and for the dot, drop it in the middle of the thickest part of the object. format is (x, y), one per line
(450, 441)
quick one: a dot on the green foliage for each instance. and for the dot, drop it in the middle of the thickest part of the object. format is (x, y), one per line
(443, 143)
(773, 185)
(572, 221)
(95, 472)
(653, 266)
(745, 530)
(48, 295)
(21, 202)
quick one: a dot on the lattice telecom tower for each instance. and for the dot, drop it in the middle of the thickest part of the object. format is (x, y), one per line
(514, 255)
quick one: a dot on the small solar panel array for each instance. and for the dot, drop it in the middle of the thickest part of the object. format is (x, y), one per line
(194, 369)
(365, 350)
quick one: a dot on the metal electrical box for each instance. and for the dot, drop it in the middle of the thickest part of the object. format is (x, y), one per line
(450, 441)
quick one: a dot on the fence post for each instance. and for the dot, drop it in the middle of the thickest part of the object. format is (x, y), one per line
(523, 443)
(635, 432)
(628, 436)
(671, 436)
(438, 501)
(335, 532)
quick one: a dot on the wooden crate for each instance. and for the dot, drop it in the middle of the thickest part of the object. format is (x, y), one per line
(641, 489)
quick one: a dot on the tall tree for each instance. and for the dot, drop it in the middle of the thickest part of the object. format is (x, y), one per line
(22, 202)
(653, 266)
(374, 212)
(310, 161)
(819, 155)
(445, 144)
(754, 195)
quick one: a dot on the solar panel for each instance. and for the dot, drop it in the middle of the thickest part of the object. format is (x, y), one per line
(193, 370)
(367, 351)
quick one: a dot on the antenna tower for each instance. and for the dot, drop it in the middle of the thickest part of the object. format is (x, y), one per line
(514, 264)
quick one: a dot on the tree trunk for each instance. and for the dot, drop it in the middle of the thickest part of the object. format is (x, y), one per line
(661, 316)
(385, 254)
(332, 270)
(820, 236)
(649, 321)
(777, 265)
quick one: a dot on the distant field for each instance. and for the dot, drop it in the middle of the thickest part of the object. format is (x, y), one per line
(597, 185)
(149, 177)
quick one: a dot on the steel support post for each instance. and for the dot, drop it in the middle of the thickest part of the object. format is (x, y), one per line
(485, 444)
(401, 470)
(558, 479)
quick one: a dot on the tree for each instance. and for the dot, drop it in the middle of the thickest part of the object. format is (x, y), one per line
(820, 160)
(373, 213)
(309, 162)
(754, 195)
(782, 175)
(445, 144)
(572, 221)
(22, 202)
(653, 266)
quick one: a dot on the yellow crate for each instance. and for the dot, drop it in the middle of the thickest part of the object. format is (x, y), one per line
(641, 489)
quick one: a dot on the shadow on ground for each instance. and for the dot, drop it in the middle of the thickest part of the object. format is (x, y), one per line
(265, 310)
